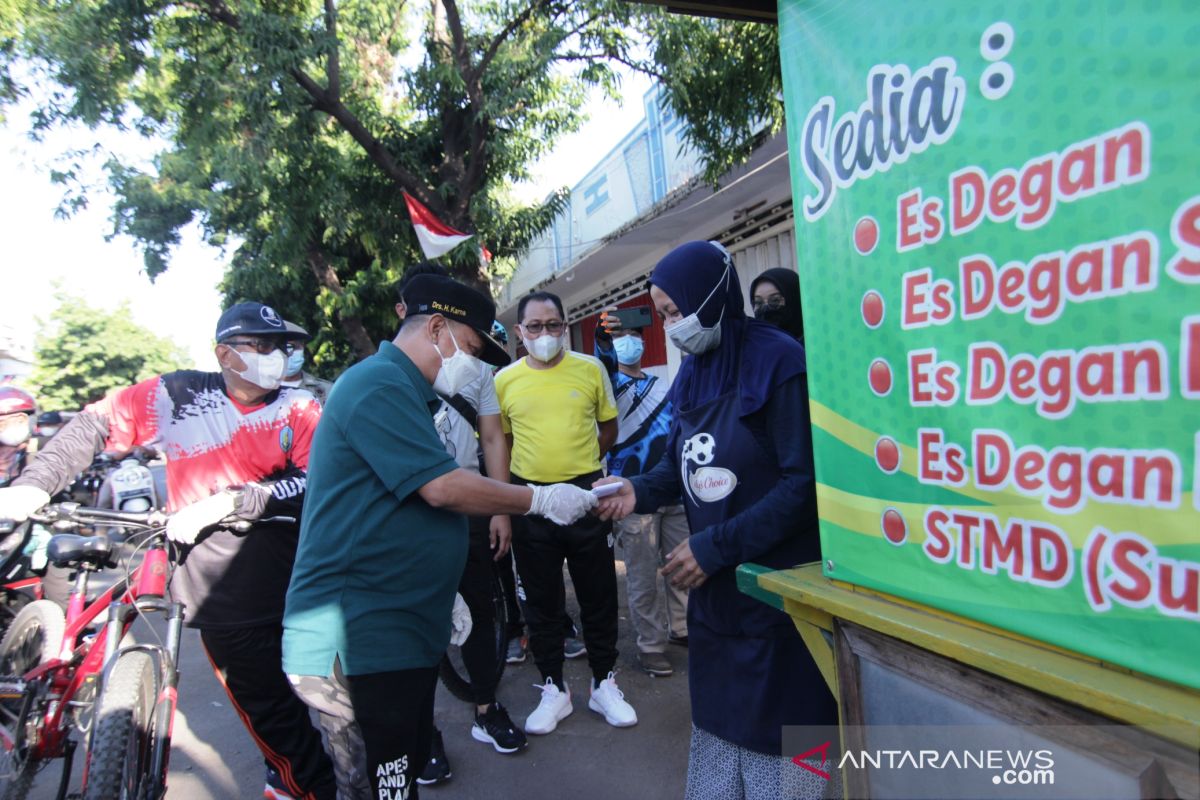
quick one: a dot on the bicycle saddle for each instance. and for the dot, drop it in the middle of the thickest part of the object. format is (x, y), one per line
(68, 549)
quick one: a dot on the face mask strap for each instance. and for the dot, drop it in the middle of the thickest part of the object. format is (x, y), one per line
(449, 330)
(724, 279)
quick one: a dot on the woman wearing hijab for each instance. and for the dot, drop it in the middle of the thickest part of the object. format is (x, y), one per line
(775, 298)
(740, 452)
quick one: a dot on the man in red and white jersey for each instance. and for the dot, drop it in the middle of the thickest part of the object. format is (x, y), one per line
(236, 443)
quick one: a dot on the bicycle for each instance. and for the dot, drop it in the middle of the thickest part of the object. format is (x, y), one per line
(60, 674)
(453, 671)
(18, 585)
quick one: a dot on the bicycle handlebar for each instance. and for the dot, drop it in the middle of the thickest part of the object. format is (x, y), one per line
(74, 512)
(148, 520)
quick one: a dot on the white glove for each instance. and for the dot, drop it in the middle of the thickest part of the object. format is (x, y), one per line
(561, 503)
(186, 523)
(460, 620)
(18, 502)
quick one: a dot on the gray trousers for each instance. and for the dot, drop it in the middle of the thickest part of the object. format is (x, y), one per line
(330, 698)
(656, 608)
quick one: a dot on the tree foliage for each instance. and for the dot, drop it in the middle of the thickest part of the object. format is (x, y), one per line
(82, 353)
(292, 128)
(723, 79)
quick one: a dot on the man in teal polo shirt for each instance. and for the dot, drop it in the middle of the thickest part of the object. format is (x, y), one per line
(383, 540)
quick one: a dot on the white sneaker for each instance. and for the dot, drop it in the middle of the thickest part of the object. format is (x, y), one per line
(555, 705)
(608, 700)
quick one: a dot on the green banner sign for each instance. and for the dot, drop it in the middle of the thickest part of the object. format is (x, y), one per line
(998, 225)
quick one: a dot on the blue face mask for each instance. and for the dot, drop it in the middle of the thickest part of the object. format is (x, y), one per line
(629, 349)
(295, 362)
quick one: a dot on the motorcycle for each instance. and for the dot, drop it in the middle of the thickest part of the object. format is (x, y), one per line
(129, 482)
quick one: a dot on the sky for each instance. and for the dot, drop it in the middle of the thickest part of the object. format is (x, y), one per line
(44, 254)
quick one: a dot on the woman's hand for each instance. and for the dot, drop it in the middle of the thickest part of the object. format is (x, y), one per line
(616, 506)
(681, 568)
(608, 321)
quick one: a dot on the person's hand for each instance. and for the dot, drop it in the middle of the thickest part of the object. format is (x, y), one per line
(18, 502)
(681, 568)
(616, 506)
(561, 503)
(185, 525)
(608, 321)
(460, 621)
(500, 535)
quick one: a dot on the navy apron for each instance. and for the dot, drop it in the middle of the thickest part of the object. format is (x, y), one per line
(749, 672)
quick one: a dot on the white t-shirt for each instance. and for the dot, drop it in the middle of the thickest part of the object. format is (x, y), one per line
(456, 433)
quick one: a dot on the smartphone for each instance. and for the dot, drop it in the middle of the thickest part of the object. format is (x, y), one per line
(636, 317)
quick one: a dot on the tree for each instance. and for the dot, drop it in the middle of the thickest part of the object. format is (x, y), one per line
(293, 127)
(85, 352)
(723, 80)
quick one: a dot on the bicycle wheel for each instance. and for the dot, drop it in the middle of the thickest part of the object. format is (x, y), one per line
(119, 760)
(33, 637)
(453, 671)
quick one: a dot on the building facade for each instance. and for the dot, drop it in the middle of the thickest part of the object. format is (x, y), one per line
(641, 200)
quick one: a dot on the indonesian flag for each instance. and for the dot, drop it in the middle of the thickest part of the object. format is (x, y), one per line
(436, 237)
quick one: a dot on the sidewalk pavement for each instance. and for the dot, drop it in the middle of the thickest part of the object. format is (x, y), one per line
(585, 758)
(213, 758)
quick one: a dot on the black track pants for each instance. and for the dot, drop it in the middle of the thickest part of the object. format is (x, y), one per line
(249, 664)
(394, 713)
(476, 587)
(540, 547)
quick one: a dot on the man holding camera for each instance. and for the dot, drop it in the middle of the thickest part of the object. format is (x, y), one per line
(658, 611)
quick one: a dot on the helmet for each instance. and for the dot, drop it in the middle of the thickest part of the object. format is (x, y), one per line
(13, 400)
(15, 430)
(498, 333)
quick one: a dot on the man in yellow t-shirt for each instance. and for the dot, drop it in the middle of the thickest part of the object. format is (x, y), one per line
(558, 411)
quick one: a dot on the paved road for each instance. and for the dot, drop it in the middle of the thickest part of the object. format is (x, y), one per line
(213, 757)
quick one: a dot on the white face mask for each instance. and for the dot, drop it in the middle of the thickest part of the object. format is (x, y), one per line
(264, 371)
(457, 371)
(689, 335)
(15, 433)
(545, 347)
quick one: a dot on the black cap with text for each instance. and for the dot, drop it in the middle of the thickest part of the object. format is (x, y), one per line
(434, 294)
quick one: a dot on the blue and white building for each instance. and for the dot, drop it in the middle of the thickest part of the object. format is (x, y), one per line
(639, 201)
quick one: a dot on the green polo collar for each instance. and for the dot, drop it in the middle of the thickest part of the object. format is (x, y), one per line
(396, 356)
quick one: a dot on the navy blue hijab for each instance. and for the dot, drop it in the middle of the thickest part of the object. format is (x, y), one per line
(769, 356)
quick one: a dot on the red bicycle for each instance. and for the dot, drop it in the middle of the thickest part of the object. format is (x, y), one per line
(61, 674)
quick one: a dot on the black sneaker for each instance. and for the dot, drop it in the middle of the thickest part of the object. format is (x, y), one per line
(656, 664)
(495, 728)
(438, 768)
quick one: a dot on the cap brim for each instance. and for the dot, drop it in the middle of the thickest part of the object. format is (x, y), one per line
(493, 352)
(294, 331)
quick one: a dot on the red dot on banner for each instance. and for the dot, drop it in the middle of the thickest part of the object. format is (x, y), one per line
(887, 454)
(866, 235)
(895, 529)
(872, 309)
(880, 377)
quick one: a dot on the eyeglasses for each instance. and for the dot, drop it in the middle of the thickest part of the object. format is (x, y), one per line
(263, 346)
(535, 328)
(774, 301)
